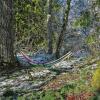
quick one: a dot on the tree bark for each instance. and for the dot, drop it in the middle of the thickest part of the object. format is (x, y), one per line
(63, 30)
(6, 31)
(49, 25)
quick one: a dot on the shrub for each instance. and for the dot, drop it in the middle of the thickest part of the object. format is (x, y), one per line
(96, 79)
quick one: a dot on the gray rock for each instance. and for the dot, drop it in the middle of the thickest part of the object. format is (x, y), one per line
(23, 77)
(2, 90)
(9, 81)
(28, 86)
(63, 65)
(24, 85)
(39, 74)
(2, 78)
(1, 93)
(38, 85)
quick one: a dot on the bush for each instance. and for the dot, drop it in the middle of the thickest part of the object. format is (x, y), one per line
(96, 79)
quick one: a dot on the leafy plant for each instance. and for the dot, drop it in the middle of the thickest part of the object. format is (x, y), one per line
(83, 21)
(49, 95)
(90, 39)
(96, 79)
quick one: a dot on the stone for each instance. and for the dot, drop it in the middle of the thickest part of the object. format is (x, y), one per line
(2, 90)
(37, 85)
(63, 65)
(1, 94)
(17, 83)
(9, 82)
(3, 84)
(28, 86)
(39, 74)
(94, 66)
(15, 74)
(2, 78)
(23, 77)
(24, 85)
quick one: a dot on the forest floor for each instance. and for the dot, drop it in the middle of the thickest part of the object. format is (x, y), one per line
(37, 81)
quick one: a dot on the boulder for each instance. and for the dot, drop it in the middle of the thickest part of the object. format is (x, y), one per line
(63, 66)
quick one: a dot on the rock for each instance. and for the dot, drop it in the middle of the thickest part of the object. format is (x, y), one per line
(2, 90)
(38, 85)
(42, 73)
(25, 86)
(64, 65)
(2, 78)
(28, 86)
(9, 82)
(22, 86)
(23, 77)
(17, 83)
(1, 94)
(94, 66)
(15, 74)
(3, 84)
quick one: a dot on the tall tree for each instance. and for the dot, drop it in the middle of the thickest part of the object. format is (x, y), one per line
(63, 30)
(6, 34)
(49, 25)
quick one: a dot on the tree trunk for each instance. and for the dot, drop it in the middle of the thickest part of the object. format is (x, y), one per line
(63, 30)
(6, 34)
(49, 25)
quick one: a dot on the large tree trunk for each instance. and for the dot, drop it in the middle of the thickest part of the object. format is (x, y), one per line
(6, 34)
(49, 25)
(63, 30)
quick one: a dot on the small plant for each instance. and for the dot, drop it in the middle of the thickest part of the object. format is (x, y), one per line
(49, 95)
(96, 79)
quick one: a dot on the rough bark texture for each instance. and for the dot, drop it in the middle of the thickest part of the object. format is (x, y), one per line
(63, 30)
(6, 34)
(50, 32)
